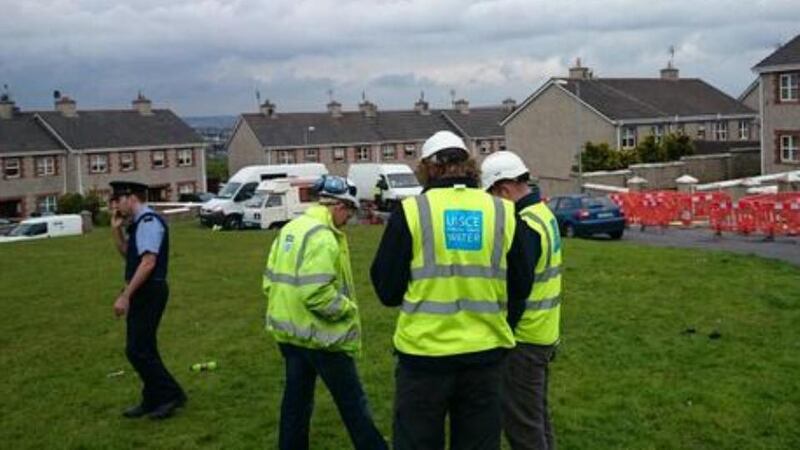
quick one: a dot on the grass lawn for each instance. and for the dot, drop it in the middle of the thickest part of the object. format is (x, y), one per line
(626, 376)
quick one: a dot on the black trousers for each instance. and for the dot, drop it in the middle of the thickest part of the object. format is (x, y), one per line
(147, 307)
(526, 419)
(471, 396)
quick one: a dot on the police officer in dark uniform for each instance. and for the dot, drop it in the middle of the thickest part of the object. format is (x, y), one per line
(145, 247)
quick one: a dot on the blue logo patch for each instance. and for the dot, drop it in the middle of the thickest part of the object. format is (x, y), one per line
(463, 229)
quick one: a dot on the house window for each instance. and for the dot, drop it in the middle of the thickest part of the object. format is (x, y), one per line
(658, 133)
(701, 131)
(628, 137)
(47, 204)
(410, 150)
(339, 154)
(363, 154)
(45, 166)
(744, 130)
(485, 147)
(12, 168)
(721, 131)
(159, 158)
(501, 144)
(311, 155)
(286, 156)
(126, 162)
(789, 151)
(388, 152)
(789, 86)
(185, 157)
(98, 163)
(186, 188)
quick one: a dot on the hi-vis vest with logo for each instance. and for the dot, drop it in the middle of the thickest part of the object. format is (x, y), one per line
(308, 283)
(540, 321)
(456, 298)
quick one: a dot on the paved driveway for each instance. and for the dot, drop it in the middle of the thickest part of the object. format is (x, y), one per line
(782, 248)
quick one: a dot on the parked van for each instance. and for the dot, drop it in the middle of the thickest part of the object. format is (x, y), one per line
(278, 201)
(394, 182)
(45, 227)
(227, 209)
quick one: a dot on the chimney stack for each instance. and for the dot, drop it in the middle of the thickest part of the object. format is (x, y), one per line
(509, 104)
(669, 72)
(7, 108)
(421, 106)
(143, 105)
(268, 109)
(461, 105)
(579, 72)
(66, 106)
(335, 109)
(368, 108)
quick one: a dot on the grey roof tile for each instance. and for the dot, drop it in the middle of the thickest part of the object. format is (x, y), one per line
(788, 53)
(481, 121)
(23, 133)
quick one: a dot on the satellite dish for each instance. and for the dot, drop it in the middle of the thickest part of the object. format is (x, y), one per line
(56, 94)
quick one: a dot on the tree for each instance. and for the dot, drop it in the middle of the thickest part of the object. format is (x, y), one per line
(650, 151)
(600, 157)
(677, 145)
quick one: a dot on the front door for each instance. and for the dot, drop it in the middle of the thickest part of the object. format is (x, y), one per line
(10, 208)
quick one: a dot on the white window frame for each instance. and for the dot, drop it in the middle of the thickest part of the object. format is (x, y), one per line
(658, 133)
(501, 144)
(159, 163)
(484, 146)
(628, 138)
(363, 153)
(185, 157)
(47, 204)
(388, 152)
(127, 165)
(410, 150)
(720, 131)
(744, 130)
(98, 164)
(186, 188)
(789, 86)
(17, 166)
(286, 157)
(789, 150)
(339, 154)
(311, 155)
(45, 166)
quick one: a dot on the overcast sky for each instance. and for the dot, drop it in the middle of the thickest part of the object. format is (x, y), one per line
(208, 57)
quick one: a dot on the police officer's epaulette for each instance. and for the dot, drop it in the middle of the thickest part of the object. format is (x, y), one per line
(148, 218)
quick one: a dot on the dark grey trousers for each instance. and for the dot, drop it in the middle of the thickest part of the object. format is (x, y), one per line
(526, 420)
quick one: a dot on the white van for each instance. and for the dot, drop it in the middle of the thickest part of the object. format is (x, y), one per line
(227, 209)
(279, 201)
(395, 181)
(45, 227)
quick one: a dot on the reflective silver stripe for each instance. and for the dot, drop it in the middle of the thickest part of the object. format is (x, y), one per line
(344, 290)
(301, 280)
(335, 306)
(548, 303)
(302, 253)
(426, 223)
(547, 275)
(541, 223)
(453, 307)
(440, 271)
(429, 267)
(499, 231)
(323, 337)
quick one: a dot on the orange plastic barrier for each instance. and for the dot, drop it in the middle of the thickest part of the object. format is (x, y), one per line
(660, 208)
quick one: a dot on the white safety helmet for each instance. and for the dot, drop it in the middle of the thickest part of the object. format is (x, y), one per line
(442, 140)
(339, 188)
(502, 165)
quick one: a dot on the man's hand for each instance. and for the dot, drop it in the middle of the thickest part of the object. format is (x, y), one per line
(121, 305)
(116, 219)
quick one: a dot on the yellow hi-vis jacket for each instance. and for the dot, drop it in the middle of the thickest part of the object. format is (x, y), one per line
(540, 321)
(455, 302)
(308, 283)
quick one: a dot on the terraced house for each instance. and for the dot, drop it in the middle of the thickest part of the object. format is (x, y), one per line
(558, 118)
(44, 154)
(778, 94)
(339, 138)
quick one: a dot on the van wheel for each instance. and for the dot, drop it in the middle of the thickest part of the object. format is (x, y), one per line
(232, 223)
(616, 235)
(276, 225)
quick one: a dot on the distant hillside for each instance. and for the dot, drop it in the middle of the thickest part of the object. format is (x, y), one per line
(211, 121)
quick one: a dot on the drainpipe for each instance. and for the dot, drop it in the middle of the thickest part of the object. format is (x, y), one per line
(204, 182)
(761, 113)
(80, 175)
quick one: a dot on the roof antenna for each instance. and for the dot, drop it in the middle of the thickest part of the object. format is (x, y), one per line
(56, 94)
(5, 96)
(258, 97)
(422, 95)
(453, 97)
(671, 52)
(364, 96)
(330, 95)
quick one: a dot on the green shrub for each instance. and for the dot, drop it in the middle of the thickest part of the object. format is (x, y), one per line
(102, 219)
(70, 203)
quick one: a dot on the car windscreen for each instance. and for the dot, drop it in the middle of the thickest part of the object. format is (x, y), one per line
(29, 229)
(229, 190)
(403, 180)
(597, 202)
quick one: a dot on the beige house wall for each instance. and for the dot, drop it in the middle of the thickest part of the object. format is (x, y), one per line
(777, 117)
(244, 149)
(545, 135)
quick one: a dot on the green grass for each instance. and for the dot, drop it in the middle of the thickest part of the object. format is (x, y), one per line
(625, 377)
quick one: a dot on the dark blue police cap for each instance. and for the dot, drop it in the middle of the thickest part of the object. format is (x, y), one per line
(120, 188)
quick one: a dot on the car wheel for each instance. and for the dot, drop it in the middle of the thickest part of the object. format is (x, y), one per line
(233, 223)
(616, 235)
(569, 230)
